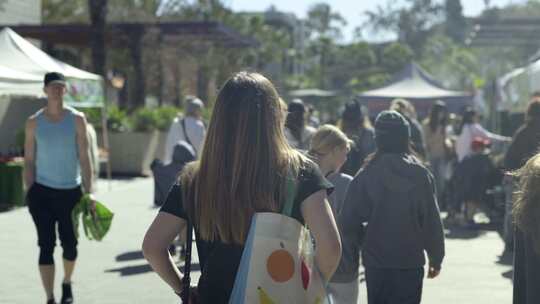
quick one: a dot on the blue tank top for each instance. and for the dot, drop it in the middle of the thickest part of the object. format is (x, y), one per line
(57, 157)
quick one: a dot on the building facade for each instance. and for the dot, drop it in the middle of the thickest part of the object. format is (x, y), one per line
(20, 11)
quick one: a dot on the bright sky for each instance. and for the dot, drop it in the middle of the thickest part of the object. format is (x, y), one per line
(351, 10)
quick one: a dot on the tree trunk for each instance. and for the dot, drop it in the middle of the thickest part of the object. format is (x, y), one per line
(177, 78)
(202, 82)
(161, 83)
(135, 48)
(98, 18)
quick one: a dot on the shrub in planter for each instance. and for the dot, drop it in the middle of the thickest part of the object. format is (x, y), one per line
(144, 120)
(93, 116)
(165, 117)
(117, 120)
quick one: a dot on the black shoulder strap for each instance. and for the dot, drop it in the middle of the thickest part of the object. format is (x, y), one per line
(186, 280)
(186, 137)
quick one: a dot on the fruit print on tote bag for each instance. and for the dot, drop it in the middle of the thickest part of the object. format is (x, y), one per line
(278, 264)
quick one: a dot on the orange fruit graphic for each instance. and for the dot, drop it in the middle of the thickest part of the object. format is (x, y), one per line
(280, 266)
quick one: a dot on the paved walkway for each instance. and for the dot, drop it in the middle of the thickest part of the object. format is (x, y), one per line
(114, 271)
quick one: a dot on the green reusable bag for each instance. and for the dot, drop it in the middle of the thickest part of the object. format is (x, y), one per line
(96, 225)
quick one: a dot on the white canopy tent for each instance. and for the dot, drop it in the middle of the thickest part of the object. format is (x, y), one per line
(22, 69)
(23, 65)
(516, 87)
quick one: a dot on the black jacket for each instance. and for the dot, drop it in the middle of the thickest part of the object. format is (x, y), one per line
(395, 195)
(524, 145)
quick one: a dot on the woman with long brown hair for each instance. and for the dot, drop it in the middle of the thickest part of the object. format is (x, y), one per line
(435, 135)
(527, 235)
(242, 170)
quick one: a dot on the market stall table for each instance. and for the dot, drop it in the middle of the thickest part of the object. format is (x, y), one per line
(11, 184)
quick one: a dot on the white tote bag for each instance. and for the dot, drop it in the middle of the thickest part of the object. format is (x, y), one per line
(277, 264)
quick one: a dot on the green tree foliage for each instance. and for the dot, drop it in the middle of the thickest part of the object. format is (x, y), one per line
(59, 11)
(324, 28)
(455, 23)
(323, 22)
(395, 56)
(458, 67)
(353, 62)
(412, 23)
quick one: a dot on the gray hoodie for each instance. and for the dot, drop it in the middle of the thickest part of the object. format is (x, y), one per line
(395, 196)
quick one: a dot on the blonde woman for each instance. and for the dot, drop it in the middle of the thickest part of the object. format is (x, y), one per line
(242, 170)
(329, 149)
(527, 235)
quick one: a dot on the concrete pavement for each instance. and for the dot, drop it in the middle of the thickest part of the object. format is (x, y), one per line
(114, 271)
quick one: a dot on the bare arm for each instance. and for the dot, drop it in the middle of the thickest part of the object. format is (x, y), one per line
(318, 216)
(84, 153)
(30, 152)
(478, 130)
(155, 246)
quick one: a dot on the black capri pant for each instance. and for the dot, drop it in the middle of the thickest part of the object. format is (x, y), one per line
(49, 207)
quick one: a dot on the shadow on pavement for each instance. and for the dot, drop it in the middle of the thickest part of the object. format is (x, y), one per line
(140, 269)
(130, 256)
(6, 207)
(463, 233)
(508, 274)
(131, 270)
(507, 258)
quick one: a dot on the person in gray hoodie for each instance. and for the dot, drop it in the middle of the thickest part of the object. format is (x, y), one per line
(395, 195)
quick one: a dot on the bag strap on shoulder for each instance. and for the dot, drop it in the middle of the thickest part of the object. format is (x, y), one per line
(183, 122)
(290, 195)
(186, 280)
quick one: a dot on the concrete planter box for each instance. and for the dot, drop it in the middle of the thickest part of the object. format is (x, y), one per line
(131, 153)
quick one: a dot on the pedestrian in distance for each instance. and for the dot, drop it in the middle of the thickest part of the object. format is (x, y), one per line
(297, 130)
(526, 214)
(56, 162)
(391, 212)
(473, 179)
(437, 142)
(407, 110)
(189, 128)
(329, 149)
(243, 169)
(356, 125)
(471, 128)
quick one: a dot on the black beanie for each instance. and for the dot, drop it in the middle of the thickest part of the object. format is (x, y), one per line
(392, 132)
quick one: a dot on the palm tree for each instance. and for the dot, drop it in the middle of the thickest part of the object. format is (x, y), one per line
(98, 17)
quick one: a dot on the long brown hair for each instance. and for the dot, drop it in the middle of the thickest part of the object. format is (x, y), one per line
(434, 121)
(244, 162)
(527, 207)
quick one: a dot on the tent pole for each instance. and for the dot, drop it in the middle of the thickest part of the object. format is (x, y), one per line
(106, 143)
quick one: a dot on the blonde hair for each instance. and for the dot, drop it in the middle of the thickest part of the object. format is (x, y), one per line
(244, 162)
(526, 209)
(326, 139)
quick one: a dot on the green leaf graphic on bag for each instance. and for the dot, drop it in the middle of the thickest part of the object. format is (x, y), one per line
(95, 225)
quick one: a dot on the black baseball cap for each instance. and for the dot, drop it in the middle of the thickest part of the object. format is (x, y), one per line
(54, 77)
